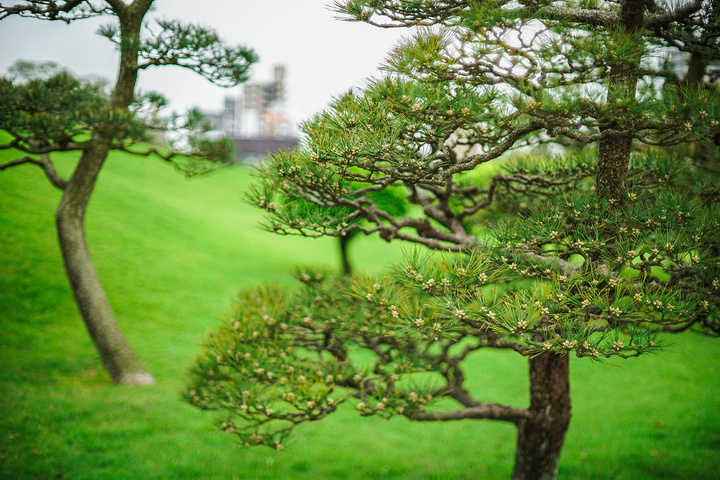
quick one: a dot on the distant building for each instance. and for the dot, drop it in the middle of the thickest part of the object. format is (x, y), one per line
(253, 150)
(256, 120)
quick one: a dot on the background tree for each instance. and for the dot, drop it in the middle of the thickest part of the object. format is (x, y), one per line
(617, 244)
(698, 51)
(389, 200)
(58, 113)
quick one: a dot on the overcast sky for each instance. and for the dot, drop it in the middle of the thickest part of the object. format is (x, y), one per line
(323, 56)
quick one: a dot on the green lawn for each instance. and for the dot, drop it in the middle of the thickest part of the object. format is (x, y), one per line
(172, 253)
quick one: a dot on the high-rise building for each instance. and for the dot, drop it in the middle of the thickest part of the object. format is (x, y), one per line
(263, 107)
(257, 120)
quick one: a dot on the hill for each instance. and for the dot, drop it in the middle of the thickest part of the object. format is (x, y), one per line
(172, 253)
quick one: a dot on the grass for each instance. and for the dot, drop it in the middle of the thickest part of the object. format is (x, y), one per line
(172, 253)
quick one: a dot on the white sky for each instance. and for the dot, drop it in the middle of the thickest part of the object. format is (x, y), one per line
(324, 57)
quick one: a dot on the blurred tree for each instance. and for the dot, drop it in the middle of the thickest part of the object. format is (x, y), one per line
(46, 110)
(389, 199)
(616, 244)
(698, 51)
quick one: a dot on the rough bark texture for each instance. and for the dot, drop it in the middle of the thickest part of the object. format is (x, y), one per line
(615, 147)
(613, 160)
(117, 355)
(540, 440)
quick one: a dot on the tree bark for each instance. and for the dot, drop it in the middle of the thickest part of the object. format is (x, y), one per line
(613, 162)
(344, 254)
(615, 147)
(116, 354)
(541, 439)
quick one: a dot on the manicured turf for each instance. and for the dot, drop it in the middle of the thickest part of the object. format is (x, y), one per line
(172, 253)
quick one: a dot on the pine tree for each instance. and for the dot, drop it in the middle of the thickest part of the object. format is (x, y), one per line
(54, 112)
(603, 248)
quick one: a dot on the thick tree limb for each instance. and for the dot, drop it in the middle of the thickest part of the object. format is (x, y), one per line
(662, 19)
(491, 411)
(575, 135)
(579, 15)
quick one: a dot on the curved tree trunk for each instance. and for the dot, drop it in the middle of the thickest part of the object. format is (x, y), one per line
(117, 355)
(540, 441)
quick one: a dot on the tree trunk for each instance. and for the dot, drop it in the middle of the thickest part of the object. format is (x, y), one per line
(705, 156)
(613, 162)
(117, 355)
(540, 441)
(344, 255)
(615, 148)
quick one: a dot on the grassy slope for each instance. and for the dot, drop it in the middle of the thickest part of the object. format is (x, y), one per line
(172, 252)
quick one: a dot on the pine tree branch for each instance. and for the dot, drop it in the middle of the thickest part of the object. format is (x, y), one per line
(454, 375)
(198, 49)
(154, 151)
(506, 344)
(435, 207)
(65, 11)
(27, 145)
(683, 327)
(19, 161)
(117, 5)
(659, 19)
(411, 15)
(575, 135)
(171, 158)
(653, 7)
(140, 5)
(506, 144)
(43, 163)
(51, 173)
(579, 15)
(491, 411)
(14, 144)
(664, 18)
(427, 235)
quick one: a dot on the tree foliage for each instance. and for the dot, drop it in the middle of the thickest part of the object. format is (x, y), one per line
(602, 251)
(46, 110)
